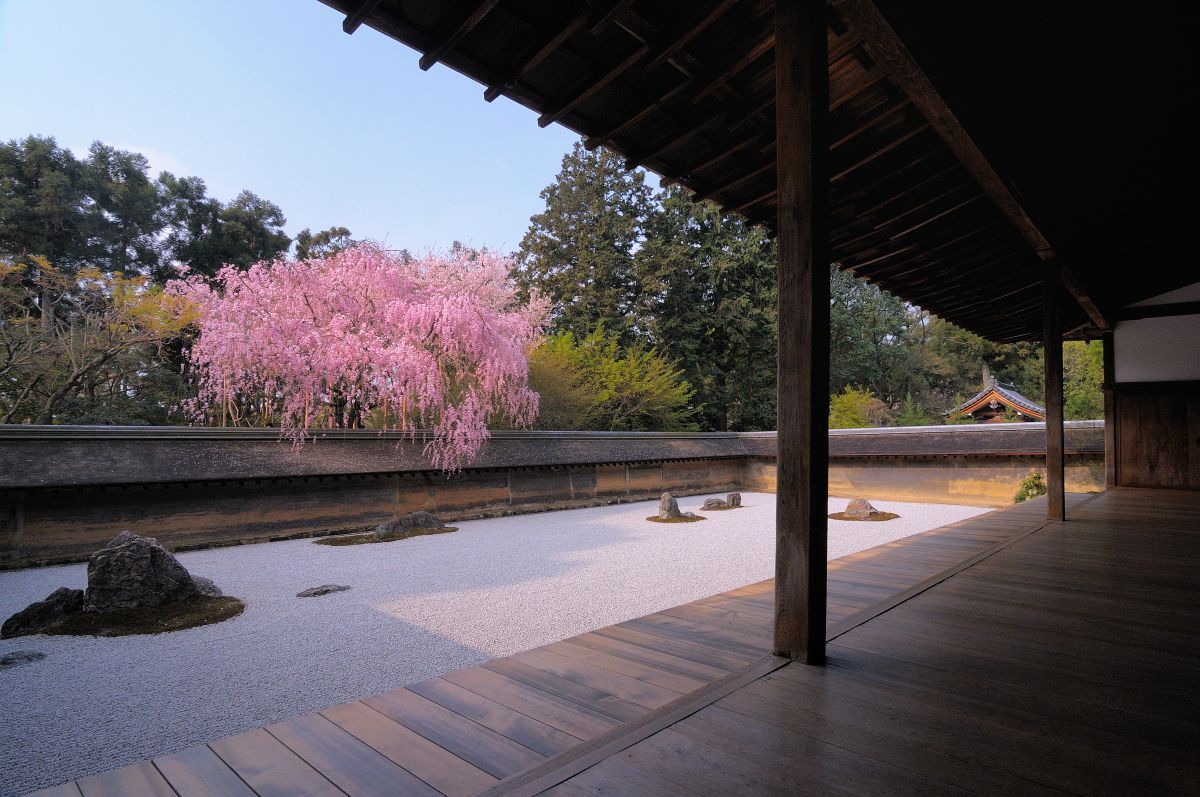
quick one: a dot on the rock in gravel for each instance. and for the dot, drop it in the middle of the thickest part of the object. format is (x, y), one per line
(734, 500)
(860, 508)
(711, 504)
(134, 571)
(668, 507)
(19, 657)
(206, 587)
(324, 589)
(44, 613)
(413, 520)
(691, 515)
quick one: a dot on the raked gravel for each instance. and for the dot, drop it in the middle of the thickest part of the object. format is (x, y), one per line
(417, 608)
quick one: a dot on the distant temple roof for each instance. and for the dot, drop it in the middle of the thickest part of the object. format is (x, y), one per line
(1001, 393)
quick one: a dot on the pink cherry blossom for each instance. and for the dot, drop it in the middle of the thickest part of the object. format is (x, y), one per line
(437, 342)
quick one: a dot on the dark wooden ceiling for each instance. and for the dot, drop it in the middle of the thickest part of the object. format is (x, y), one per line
(685, 88)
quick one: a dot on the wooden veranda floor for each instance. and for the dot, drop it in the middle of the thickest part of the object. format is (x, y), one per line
(1001, 653)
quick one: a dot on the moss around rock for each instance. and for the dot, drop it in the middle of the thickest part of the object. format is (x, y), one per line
(366, 539)
(172, 616)
(679, 519)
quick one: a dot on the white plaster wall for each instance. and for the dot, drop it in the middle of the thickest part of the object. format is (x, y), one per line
(1158, 349)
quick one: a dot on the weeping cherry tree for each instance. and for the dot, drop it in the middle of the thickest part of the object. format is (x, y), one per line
(366, 338)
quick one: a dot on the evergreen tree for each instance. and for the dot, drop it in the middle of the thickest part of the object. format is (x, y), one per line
(580, 251)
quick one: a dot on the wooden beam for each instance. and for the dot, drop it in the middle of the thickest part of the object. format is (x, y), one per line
(354, 20)
(689, 32)
(1110, 411)
(1052, 342)
(885, 46)
(457, 34)
(1158, 311)
(539, 54)
(584, 92)
(802, 111)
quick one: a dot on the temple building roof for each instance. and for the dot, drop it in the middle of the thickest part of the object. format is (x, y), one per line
(997, 397)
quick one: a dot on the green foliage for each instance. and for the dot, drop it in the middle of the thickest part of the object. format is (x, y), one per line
(325, 243)
(912, 414)
(1083, 376)
(580, 250)
(708, 300)
(1031, 486)
(855, 408)
(593, 384)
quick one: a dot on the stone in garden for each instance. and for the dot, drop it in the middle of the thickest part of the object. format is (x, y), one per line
(714, 503)
(42, 614)
(734, 500)
(324, 589)
(135, 572)
(19, 657)
(206, 587)
(668, 507)
(691, 515)
(860, 508)
(413, 520)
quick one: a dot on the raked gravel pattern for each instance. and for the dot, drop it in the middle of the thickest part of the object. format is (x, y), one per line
(417, 608)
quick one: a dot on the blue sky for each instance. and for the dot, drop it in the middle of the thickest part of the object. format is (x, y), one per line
(272, 96)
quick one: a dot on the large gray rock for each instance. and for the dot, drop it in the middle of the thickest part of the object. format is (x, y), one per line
(135, 572)
(668, 507)
(734, 500)
(711, 504)
(860, 508)
(413, 520)
(42, 614)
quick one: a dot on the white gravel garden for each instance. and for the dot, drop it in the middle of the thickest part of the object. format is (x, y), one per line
(416, 608)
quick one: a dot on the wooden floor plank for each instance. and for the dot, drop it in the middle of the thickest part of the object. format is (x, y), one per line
(349, 764)
(62, 790)
(597, 700)
(198, 772)
(270, 768)
(623, 686)
(490, 751)
(634, 669)
(523, 730)
(435, 765)
(566, 715)
(139, 779)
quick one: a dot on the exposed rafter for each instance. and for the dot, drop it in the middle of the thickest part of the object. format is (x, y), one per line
(459, 32)
(885, 46)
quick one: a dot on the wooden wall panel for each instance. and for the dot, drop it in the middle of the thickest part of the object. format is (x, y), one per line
(1158, 434)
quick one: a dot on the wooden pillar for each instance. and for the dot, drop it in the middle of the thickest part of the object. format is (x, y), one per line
(1052, 349)
(1110, 413)
(802, 157)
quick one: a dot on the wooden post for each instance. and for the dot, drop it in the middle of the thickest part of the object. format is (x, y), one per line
(1052, 343)
(802, 159)
(1110, 411)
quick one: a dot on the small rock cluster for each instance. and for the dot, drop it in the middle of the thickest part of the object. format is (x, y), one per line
(324, 589)
(668, 509)
(413, 520)
(731, 501)
(860, 508)
(129, 572)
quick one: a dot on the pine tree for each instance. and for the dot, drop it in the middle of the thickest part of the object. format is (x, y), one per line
(580, 250)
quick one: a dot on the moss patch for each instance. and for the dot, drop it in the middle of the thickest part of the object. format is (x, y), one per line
(657, 519)
(367, 539)
(869, 518)
(156, 620)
